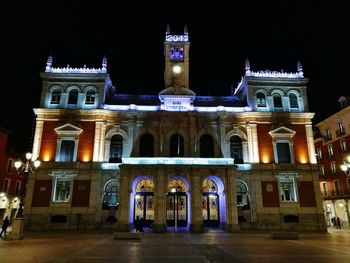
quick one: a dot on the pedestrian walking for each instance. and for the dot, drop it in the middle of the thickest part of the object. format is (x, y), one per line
(5, 224)
(137, 224)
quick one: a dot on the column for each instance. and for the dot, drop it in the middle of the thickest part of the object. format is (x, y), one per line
(159, 224)
(253, 148)
(310, 143)
(37, 139)
(196, 224)
(102, 143)
(231, 202)
(97, 141)
(123, 224)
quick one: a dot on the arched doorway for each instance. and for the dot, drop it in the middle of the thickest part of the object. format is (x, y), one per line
(144, 203)
(210, 203)
(176, 204)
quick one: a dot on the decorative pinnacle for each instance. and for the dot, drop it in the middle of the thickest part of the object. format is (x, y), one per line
(247, 65)
(104, 62)
(167, 31)
(185, 29)
(300, 69)
(48, 64)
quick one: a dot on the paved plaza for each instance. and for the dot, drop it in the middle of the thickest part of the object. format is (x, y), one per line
(93, 246)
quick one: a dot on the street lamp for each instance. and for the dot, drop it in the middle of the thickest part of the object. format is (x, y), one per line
(25, 168)
(346, 165)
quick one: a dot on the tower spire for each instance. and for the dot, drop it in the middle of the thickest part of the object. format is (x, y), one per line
(104, 63)
(167, 31)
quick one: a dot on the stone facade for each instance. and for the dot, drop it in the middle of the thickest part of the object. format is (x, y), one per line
(179, 160)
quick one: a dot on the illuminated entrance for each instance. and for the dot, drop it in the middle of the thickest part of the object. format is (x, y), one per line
(144, 205)
(210, 203)
(176, 204)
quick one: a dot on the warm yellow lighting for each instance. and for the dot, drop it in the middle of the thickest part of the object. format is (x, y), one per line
(46, 157)
(28, 156)
(86, 158)
(137, 196)
(176, 69)
(265, 159)
(303, 159)
(173, 190)
(18, 164)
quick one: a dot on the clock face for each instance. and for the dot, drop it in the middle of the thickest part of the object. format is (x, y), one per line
(176, 69)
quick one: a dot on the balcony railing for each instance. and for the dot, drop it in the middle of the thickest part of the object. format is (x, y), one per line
(335, 194)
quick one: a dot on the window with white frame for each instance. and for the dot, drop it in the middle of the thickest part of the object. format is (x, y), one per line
(260, 99)
(6, 186)
(333, 168)
(328, 134)
(287, 189)
(319, 153)
(62, 185)
(282, 140)
(55, 96)
(330, 150)
(341, 127)
(9, 166)
(343, 145)
(67, 143)
(62, 190)
(18, 188)
(277, 100)
(336, 187)
(293, 101)
(322, 170)
(90, 97)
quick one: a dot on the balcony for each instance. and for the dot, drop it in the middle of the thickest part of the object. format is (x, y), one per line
(327, 137)
(340, 132)
(335, 194)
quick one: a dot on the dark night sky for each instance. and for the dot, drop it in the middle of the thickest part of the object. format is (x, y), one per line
(272, 34)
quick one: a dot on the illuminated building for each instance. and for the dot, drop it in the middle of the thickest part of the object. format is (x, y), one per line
(332, 142)
(177, 159)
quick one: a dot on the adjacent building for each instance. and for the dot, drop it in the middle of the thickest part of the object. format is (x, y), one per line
(177, 159)
(332, 142)
(11, 183)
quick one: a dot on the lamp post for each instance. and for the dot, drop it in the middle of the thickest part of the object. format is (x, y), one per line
(24, 169)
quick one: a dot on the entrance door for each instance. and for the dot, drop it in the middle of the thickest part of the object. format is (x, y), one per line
(144, 207)
(176, 209)
(210, 209)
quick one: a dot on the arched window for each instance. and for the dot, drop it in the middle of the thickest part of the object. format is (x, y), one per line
(146, 145)
(277, 100)
(56, 96)
(116, 149)
(236, 149)
(73, 97)
(206, 146)
(110, 196)
(242, 194)
(260, 100)
(293, 100)
(90, 97)
(177, 146)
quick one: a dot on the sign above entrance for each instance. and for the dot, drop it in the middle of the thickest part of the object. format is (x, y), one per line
(179, 161)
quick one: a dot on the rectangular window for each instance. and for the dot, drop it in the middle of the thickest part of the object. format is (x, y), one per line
(328, 134)
(330, 150)
(336, 187)
(287, 189)
(333, 168)
(62, 190)
(341, 127)
(324, 190)
(283, 152)
(9, 166)
(18, 188)
(343, 146)
(6, 185)
(322, 170)
(319, 153)
(67, 151)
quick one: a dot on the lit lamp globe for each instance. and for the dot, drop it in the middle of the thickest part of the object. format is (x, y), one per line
(176, 69)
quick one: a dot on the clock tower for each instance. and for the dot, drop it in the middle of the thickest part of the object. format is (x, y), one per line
(176, 59)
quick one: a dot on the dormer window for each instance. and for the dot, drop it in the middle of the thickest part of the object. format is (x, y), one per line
(55, 96)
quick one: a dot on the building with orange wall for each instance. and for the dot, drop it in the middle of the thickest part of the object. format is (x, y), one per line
(176, 159)
(332, 143)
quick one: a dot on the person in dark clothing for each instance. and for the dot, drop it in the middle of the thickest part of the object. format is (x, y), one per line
(5, 224)
(137, 224)
(141, 225)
